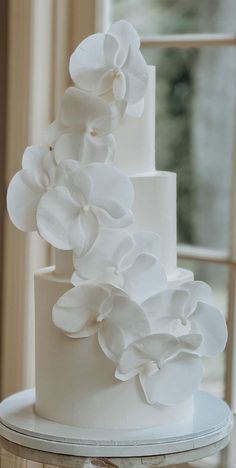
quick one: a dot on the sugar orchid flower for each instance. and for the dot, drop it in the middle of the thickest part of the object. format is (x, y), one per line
(72, 213)
(88, 309)
(169, 368)
(128, 261)
(83, 129)
(189, 310)
(111, 63)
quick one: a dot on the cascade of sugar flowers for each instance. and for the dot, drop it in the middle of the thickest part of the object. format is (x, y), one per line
(70, 191)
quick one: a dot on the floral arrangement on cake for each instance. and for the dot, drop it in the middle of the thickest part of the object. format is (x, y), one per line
(70, 191)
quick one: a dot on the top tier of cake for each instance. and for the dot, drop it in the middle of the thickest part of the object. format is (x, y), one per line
(135, 137)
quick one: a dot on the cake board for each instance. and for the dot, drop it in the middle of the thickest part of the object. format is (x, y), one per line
(22, 430)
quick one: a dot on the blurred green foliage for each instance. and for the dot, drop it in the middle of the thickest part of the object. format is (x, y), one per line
(175, 82)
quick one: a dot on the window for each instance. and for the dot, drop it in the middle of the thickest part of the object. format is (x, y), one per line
(192, 45)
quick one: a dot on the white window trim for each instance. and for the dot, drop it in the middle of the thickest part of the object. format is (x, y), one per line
(200, 253)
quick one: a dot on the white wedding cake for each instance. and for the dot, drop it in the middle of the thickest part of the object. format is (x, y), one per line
(121, 331)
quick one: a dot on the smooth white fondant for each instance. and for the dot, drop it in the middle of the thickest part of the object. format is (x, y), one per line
(75, 381)
(154, 209)
(135, 137)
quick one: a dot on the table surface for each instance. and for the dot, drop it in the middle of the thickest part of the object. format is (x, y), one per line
(12, 458)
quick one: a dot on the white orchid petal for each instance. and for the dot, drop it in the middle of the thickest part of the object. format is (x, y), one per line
(130, 363)
(175, 381)
(149, 242)
(126, 244)
(97, 82)
(135, 110)
(110, 48)
(109, 248)
(157, 347)
(107, 122)
(144, 278)
(150, 348)
(58, 219)
(113, 209)
(106, 220)
(111, 340)
(118, 109)
(23, 196)
(76, 311)
(109, 180)
(124, 376)
(198, 291)
(87, 63)
(41, 163)
(167, 304)
(128, 316)
(49, 168)
(119, 86)
(53, 132)
(144, 242)
(65, 171)
(211, 325)
(86, 149)
(190, 342)
(90, 228)
(33, 158)
(136, 75)
(70, 146)
(126, 36)
(79, 110)
(28, 185)
(101, 149)
(79, 183)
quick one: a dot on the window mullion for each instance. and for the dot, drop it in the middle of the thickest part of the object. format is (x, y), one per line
(102, 15)
(230, 390)
(189, 40)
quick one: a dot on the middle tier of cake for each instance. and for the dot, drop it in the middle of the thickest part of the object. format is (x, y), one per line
(154, 210)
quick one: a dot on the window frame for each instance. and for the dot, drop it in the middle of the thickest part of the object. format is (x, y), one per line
(218, 257)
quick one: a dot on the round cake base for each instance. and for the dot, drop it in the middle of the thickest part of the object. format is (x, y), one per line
(211, 423)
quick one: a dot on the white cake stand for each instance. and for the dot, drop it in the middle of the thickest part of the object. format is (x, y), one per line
(35, 438)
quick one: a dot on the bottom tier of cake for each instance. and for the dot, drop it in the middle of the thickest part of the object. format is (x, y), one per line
(75, 381)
